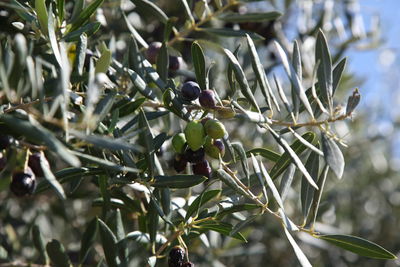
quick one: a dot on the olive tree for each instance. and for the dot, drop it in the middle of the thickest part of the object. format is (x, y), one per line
(152, 133)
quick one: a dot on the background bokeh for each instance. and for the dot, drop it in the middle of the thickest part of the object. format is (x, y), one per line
(365, 202)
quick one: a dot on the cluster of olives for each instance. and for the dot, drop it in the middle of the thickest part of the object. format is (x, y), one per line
(191, 91)
(176, 258)
(23, 182)
(152, 53)
(199, 138)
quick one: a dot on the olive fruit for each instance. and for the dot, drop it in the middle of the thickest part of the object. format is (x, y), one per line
(178, 143)
(187, 264)
(195, 134)
(190, 91)
(194, 156)
(34, 163)
(176, 256)
(204, 120)
(225, 113)
(5, 141)
(215, 129)
(207, 99)
(214, 147)
(180, 163)
(152, 52)
(202, 168)
(174, 63)
(23, 182)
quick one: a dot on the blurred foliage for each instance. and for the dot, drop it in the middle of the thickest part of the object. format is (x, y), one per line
(85, 87)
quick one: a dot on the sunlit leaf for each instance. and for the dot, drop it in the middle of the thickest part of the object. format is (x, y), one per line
(359, 246)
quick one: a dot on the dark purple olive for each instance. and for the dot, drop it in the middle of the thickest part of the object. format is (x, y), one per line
(190, 91)
(23, 182)
(152, 52)
(176, 256)
(174, 63)
(214, 147)
(195, 156)
(207, 99)
(180, 163)
(34, 163)
(187, 264)
(5, 141)
(202, 168)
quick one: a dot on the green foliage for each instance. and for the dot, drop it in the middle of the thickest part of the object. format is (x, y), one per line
(86, 95)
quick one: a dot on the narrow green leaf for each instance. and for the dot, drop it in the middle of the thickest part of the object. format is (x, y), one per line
(291, 73)
(44, 164)
(227, 32)
(222, 228)
(337, 74)
(165, 200)
(81, 54)
(292, 154)
(177, 181)
(238, 147)
(131, 106)
(163, 62)
(286, 181)
(141, 85)
(152, 219)
(68, 175)
(236, 208)
(135, 34)
(257, 172)
(241, 79)
(78, 7)
(359, 246)
(41, 11)
(199, 65)
(283, 97)
(243, 224)
(229, 181)
(297, 250)
(285, 159)
(57, 254)
(37, 133)
(296, 61)
(265, 153)
(272, 186)
(52, 36)
(120, 235)
(259, 72)
(38, 242)
(148, 7)
(88, 29)
(60, 9)
(109, 165)
(202, 199)
(85, 15)
(188, 11)
(325, 78)
(109, 243)
(103, 63)
(307, 191)
(250, 17)
(114, 144)
(318, 195)
(333, 155)
(146, 140)
(88, 239)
